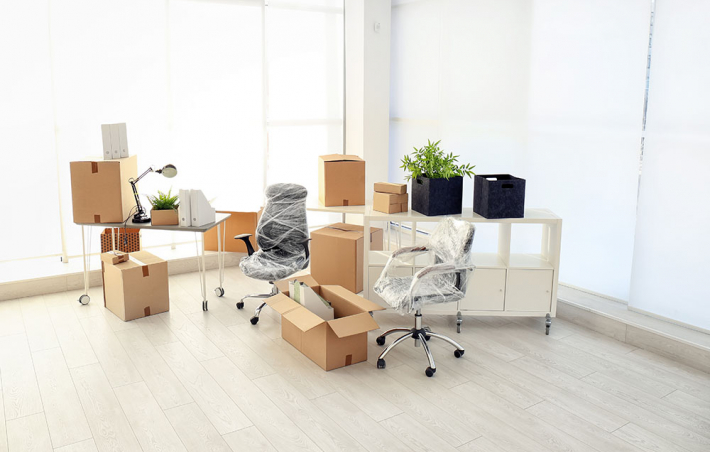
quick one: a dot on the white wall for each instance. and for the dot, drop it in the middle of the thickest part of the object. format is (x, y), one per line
(671, 262)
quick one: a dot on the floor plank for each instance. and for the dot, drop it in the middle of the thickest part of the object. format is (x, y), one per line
(19, 383)
(83, 446)
(29, 434)
(195, 430)
(250, 439)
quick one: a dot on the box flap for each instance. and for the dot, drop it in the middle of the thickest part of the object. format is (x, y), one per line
(356, 301)
(354, 324)
(340, 158)
(112, 258)
(281, 303)
(344, 230)
(302, 318)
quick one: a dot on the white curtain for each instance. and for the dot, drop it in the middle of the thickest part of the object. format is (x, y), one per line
(548, 90)
(671, 265)
(187, 77)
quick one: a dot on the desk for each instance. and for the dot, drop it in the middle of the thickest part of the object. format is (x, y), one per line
(220, 218)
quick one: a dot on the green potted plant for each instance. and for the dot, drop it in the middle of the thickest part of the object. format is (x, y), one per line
(437, 180)
(164, 211)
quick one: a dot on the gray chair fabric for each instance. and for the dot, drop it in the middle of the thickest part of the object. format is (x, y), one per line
(443, 281)
(281, 234)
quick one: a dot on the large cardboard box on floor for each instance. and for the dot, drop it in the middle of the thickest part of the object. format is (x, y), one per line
(341, 180)
(100, 190)
(337, 254)
(135, 284)
(238, 223)
(330, 344)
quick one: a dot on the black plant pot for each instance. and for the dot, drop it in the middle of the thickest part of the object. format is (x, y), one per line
(499, 196)
(437, 196)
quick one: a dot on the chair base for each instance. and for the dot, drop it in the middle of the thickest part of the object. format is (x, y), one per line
(420, 335)
(255, 319)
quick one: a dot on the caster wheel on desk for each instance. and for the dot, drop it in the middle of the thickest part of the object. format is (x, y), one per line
(458, 328)
(204, 305)
(459, 353)
(429, 372)
(547, 331)
(84, 299)
(240, 305)
(381, 363)
(254, 320)
(380, 340)
(219, 292)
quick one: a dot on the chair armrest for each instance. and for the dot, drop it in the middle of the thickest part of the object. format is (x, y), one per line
(437, 269)
(245, 238)
(305, 247)
(409, 250)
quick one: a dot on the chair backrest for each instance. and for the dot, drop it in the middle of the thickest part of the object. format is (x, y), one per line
(451, 242)
(283, 224)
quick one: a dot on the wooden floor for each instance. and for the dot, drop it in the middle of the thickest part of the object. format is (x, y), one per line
(76, 378)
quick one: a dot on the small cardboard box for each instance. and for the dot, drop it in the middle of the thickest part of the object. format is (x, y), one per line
(135, 284)
(100, 190)
(238, 223)
(332, 344)
(337, 254)
(167, 217)
(388, 187)
(389, 203)
(341, 180)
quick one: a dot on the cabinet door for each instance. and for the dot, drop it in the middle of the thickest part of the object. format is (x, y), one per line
(486, 290)
(528, 290)
(374, 273)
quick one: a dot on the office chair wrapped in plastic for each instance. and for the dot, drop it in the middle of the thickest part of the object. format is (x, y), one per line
(282, 236)
(443, 281)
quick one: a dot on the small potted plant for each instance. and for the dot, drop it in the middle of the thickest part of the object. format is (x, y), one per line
(164, 211)
(437, 180)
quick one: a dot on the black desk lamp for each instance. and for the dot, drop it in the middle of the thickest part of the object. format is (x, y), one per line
(141, 216)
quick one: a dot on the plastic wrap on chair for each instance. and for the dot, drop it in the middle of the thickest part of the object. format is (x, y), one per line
(281, 234)
(444, 281)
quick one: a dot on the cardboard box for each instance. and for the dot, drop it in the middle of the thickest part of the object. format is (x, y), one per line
(389, 203)
(238, 223)
(388, 187)
(341, 180)
(337, 254)
(167, 217)
(100, 190)
(332, 344)
(135, 284)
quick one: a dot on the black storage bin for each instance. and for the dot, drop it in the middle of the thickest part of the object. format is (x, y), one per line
(437, 196)
(499, 196)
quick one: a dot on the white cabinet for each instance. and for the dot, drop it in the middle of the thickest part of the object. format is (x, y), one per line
(486, 290)
(528, 290)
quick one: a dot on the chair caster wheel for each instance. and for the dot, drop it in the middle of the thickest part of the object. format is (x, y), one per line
(429, 372)
(381, 363)
(254, 320)
(458, 328)
(380, 340)
(240, 305)
(547, 331)
(219, 292)
(459, 353)
(427, 337)
(84, 299)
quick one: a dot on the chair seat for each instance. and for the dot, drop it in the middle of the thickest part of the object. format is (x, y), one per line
(272, 265)
(395, 291)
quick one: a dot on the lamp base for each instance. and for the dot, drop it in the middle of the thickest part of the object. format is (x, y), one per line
(141, 217)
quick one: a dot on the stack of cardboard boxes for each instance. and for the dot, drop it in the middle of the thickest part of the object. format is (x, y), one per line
(390, 198)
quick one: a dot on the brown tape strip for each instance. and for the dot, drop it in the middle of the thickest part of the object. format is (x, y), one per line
(146, 311)
(94, 167)
(345, 202)
(146, 272)
(348, 360)
(97, 218)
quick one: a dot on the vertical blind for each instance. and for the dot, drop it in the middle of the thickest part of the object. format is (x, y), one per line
(671, 264)
(226, 91)
(548, 90)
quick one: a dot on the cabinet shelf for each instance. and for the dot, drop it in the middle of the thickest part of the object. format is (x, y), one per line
(529, 261)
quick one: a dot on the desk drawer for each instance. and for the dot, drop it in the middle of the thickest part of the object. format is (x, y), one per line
(486, 290)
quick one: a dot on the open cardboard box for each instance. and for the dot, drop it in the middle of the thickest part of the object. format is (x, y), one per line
(332, 344)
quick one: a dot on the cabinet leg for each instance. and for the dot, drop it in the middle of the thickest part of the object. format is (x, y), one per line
(548, 324)
(459, 321)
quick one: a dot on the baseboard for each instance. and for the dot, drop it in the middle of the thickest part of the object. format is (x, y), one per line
(688, 346)
(75, 281)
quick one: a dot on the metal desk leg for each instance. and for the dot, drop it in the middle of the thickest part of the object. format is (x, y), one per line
(219, 291)
(85, 299)
(203, 274)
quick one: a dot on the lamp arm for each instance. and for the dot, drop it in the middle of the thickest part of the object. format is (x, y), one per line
(149, 170)
(135, 194)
